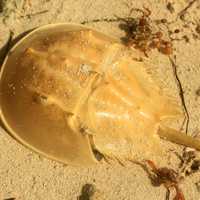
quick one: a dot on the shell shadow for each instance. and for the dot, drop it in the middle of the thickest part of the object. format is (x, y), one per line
(4, 51)
(10, 43)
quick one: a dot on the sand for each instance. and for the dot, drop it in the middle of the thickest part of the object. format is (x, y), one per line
(25, 175)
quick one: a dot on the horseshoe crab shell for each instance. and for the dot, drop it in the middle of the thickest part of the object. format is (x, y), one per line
(68, 90)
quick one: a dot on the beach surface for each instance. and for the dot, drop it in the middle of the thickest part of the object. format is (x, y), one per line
(25, 175)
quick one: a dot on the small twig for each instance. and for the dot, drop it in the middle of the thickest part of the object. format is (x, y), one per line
(181, 92)
(182, 12)
(34, 14)
(101, 20)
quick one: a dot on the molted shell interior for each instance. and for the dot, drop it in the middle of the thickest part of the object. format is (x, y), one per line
(28, 115)
(64, 84)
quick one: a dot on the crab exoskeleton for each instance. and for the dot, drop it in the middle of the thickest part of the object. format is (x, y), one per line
(68, 90)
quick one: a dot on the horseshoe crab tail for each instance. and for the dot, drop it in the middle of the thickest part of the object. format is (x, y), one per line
(178, 137)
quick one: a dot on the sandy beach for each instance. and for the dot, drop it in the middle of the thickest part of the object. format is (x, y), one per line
(25, 175)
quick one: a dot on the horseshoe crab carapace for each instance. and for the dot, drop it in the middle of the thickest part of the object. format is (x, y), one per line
(68, 90)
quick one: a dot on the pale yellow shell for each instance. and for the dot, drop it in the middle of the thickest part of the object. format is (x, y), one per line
(67, 90)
